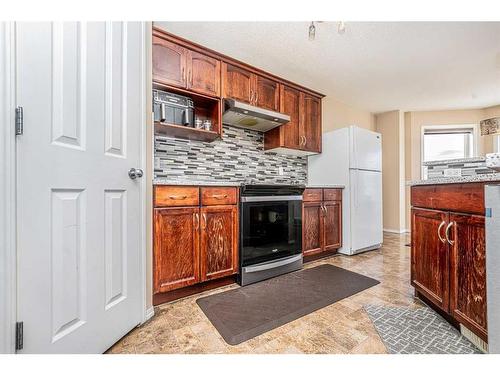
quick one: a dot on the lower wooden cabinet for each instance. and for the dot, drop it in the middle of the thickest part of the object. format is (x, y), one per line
(196, 243)
(177, 250)
(448, 255)
(219, 241)
(468, 272)
(321, 221)
(430, 256)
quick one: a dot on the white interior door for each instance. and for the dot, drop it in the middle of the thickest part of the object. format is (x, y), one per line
(79, 214)
(366, 209)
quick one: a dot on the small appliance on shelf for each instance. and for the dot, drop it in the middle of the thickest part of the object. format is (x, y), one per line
(173, 109)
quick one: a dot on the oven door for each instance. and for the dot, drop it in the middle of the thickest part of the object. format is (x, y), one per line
(270, 230)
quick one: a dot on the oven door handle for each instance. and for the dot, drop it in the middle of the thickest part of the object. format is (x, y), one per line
(270, 265)
(272, 198)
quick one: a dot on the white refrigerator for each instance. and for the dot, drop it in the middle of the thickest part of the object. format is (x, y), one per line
(352, 157)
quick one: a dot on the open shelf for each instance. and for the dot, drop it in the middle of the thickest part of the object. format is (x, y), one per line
(185, 132)
(205, 108)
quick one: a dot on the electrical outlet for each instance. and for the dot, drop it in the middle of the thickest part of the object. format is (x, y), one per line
(281, 172)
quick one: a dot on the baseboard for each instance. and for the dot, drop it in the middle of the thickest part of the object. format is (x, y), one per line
(401, 231)
(149, 314)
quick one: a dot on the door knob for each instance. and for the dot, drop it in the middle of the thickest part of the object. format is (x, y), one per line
(135, 173)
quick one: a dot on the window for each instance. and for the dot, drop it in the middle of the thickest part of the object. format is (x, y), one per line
(442, 143)
(497, 143)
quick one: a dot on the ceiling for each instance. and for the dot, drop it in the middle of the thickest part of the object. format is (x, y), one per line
(376, 66)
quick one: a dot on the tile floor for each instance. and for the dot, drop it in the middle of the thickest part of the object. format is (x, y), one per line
(343, 327)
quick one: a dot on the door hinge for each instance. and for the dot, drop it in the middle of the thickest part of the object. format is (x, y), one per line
(19, 335)
(19, 121)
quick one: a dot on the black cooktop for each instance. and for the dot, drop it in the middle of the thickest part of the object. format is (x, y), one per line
(252, 190)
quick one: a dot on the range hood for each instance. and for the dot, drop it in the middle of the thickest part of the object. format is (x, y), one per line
(243, 115)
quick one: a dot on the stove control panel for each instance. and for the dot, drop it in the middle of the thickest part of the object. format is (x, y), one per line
(493, 161)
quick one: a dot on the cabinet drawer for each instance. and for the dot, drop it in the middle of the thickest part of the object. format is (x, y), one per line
(332, 194)
(175, 196)
(213, 196)
(313, 195)
(466, 198)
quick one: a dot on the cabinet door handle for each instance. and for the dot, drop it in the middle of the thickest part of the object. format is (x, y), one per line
(446, 233)
(197, 221)
(326, 210)
(256, 96)
(439, 231)
(204, 216)
(183, 75)
(305, 140)
(251, 96)
(190, 77)
(178, 196)
(219, 196)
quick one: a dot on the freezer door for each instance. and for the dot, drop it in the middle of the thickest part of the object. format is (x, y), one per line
(492, 201)
(366, 209)
(365, 150)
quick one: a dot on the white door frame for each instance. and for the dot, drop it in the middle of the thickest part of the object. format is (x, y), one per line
(8, 253)
(7, 190)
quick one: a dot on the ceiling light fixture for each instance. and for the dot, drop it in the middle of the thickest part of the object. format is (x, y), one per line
(312, 31)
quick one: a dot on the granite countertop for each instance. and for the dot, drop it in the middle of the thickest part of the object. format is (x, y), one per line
(457, 180)
(324, 186)
(165, 181)
(453, 161)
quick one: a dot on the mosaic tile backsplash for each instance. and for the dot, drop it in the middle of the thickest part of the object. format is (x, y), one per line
(238, 156)
(460, 167)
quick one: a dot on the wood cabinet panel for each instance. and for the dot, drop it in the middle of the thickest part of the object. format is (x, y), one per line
(219, 241)
(290, 104)
(213, 196)
(312, 195)
(176, 248)
(468, 272)
(267, 93)
(237, 83)
(310, 127)
(464, 198)
(312, 228)
(429, 256)
(204, 74)
(169, 62)
(332, 194)
(332, 225)
(176, 196)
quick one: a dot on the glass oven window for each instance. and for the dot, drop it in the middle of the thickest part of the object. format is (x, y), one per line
(270, 230)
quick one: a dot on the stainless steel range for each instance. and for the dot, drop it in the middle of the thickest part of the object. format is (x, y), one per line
(270, 230)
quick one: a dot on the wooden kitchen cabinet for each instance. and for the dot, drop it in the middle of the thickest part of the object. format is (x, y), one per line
(203, 74)
(197, 242)
(310, 127)
(448, 255)
(430, 256)
(177, 250)
(468, 271)
(245, 86)
(302, 135)
(267, 93)
(219, 241)
(321, 221)
(312, 228)
(169, 62)
(237, 83)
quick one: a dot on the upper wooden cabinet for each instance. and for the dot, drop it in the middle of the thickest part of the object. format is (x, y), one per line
(237, 83)
(174, 65)
(310, 127)
(203, 74)
(302, 135)
(242, 85)
(266, 93)
(169, 62)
